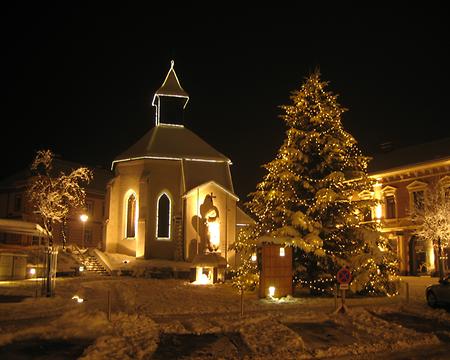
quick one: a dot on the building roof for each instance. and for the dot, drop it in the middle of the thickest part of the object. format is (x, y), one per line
(172, 142)
(171, 86)
(21, 227)
(410, 156)
(242, 218)
(191, 190)
(197, 174)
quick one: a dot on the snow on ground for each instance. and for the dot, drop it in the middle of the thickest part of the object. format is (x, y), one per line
(146, 312)
(120, 262)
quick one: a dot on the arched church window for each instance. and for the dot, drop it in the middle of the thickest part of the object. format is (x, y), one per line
(163, 217)
(131, 216)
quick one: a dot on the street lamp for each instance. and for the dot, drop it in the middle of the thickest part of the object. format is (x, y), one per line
(83, 218)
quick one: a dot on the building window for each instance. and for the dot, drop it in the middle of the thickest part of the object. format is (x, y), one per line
(131, 216)
(90, 207)
(389, 202)
(163, 217)
(418, 198)
(367, 214)
(447, 193)
(88, 237)
(18, 203)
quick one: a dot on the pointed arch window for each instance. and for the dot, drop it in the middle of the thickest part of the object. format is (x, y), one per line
(131, 217)
(163, 216)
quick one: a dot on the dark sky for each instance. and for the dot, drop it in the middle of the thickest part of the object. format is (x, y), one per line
(79, 79)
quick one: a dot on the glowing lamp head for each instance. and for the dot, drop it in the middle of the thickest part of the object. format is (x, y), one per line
(282, 253)
(254, 257)
(378, 211)
(271, 291)
(81, 268)
(84, 217)
(32, 271)
(78, 299)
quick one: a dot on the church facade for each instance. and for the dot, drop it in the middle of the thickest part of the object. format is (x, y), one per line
(172, 194)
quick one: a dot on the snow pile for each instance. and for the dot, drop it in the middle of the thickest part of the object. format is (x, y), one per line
(266, 336)
(73, 324)
(133, 337)
(282, 300)
(373, 334)
(41, 307)
(138, 266)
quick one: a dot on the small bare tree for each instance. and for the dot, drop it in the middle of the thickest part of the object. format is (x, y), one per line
(54, 196)
(434, 222)
(246, 277)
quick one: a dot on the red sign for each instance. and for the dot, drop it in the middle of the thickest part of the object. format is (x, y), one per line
(344, 276)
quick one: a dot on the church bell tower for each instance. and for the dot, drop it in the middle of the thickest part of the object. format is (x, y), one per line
(170, 100)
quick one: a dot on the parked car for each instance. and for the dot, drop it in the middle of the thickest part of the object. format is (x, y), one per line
(439, 294)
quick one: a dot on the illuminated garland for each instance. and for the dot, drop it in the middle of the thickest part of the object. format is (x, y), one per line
(308, 194)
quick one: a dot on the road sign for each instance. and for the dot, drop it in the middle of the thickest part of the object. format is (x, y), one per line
(344, 276)
(343, 286)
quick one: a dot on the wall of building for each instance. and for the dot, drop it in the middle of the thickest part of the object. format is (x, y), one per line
(165, 177)
(14, 205)
(198, 202)
(148, 179)
(411, 252)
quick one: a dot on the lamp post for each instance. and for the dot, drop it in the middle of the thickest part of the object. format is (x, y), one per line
(83, 218)
(441, 259)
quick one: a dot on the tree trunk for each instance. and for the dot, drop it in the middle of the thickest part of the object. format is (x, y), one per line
(440, 260)
(242, 302)
(63, 232)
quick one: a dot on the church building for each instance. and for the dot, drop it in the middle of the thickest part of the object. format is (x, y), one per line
(172, 195)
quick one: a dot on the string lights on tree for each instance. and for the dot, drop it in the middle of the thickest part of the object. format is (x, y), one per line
(308, 197)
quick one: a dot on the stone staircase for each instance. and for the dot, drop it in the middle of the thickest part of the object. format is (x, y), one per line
(90, 262)
(92, 265)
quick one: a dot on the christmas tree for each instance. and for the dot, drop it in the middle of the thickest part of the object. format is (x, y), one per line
(309, 197)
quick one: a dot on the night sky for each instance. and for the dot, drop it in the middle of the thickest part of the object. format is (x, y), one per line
(79, 79)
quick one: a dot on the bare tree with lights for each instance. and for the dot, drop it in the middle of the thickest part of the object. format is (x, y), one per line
(246, 277)
(52, 196)
(307, 198)
(434, 222)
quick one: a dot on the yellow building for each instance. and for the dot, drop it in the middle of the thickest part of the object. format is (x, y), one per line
(172, 195)
(404, 177)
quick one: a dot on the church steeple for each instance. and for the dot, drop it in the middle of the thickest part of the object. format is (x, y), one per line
(170, 100)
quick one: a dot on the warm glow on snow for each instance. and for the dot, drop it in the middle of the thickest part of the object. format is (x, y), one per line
(202, 278)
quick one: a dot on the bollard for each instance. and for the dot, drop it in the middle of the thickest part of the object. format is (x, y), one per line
(109, 305)
(335, 296)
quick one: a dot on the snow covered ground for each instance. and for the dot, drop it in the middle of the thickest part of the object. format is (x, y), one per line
(152, 318)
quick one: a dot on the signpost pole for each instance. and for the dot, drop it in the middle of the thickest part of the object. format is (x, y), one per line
(344, 277)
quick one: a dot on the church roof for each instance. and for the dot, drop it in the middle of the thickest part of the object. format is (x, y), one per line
(227, 186)
(171, 86)
(171, 142)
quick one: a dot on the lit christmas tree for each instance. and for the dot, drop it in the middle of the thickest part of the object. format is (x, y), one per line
(309, 197)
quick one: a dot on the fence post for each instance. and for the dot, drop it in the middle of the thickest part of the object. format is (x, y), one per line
(335, 296)
(109, 305)
(407, 292)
